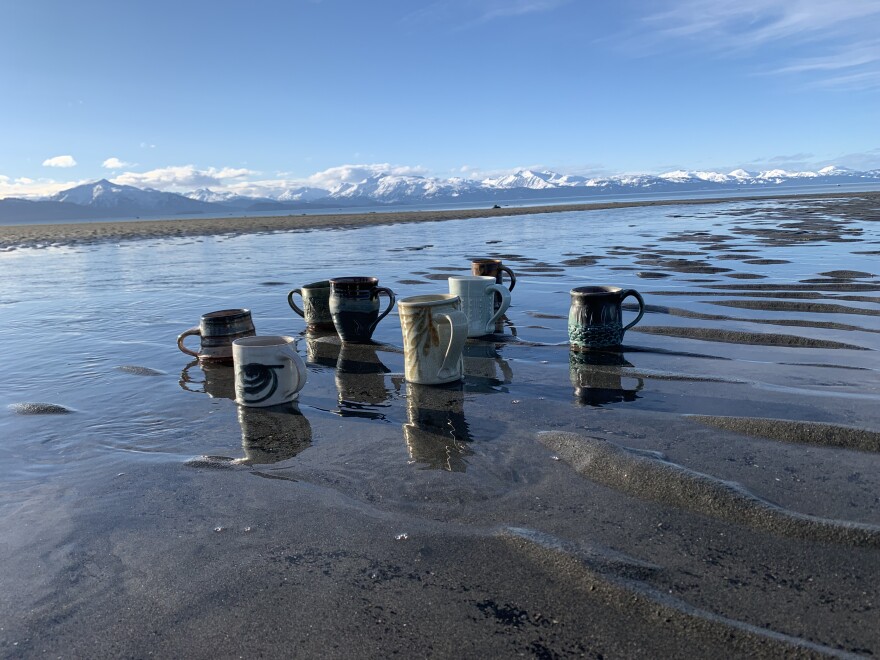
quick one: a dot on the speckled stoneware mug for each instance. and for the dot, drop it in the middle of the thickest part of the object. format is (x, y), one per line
(493, 268)
(217, 331)
(594, 319)
(268, 370)
(315, 306)
(354, 306)
(434, 332)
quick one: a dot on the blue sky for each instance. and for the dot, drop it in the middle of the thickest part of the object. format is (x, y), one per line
(256, 95)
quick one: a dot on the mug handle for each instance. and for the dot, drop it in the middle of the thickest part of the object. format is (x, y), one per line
(298, 363)
(459, 325)
(191, 331)
(632, 292)
(293, 304)
(512, 276)
(392, 299)
(505, 304)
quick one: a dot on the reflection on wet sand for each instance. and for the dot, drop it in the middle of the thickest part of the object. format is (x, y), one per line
(437, 432)
(483, 364)
(360, 381)
(273, 434)
(597, 379)
(218, 380)
(322, 348)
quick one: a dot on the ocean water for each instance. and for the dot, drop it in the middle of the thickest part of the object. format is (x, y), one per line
(143, 472)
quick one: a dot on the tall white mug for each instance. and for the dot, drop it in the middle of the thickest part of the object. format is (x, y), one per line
(477, 293)
(434, 332)
(268, 370)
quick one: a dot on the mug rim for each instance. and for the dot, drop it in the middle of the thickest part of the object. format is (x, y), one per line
(472, 278)
(428, 300)
(264, 341)
(594, 290)
(239, 312)
(320, 284)
(485, 260)
(357, 280)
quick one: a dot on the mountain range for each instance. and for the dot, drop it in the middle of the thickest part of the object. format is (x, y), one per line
(105, 199)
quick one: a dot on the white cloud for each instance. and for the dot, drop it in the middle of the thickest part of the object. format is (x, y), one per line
(335, 176)
(60, 161)
(115, 164)
(182, 178)
(32, 188)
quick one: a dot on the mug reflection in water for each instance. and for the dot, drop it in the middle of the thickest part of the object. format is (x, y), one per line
(597, 378)
(217, 380)
(360, 377)
(483, 364)
(437, 433)
(273, 434)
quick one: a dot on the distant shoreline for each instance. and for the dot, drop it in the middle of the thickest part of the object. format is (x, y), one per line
(45, 235)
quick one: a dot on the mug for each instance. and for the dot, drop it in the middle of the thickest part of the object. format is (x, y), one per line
(270, 435)
(436, 432)
(434, 332)
(217, 331)
(477, 295)
(354, 306)
(316, 305)
(492, 268)
(594, 319)
(268, 370)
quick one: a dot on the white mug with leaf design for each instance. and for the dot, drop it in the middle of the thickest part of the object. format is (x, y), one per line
(434, 332)
(268, 370)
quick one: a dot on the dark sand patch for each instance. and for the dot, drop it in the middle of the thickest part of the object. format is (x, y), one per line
(808, 433)
(830, 286)
(140, 371)
(652, 275)
(789, 306)
(751, 338)
(585, 260)
(766, 262)
(272, 283)
(412, 282)
(847, 274)
(440, 276)
(542, 315)
(39, 409)
(648, 475)
(745, 276)
(799, 323)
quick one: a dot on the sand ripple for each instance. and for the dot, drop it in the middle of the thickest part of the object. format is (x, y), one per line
(648, 475)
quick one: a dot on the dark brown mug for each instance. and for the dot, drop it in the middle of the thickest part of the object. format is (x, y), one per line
(354, 306)
(217, 331)
(594, 319)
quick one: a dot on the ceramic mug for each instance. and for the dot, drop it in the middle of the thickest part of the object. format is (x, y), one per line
(316, 305)
(268, 370)
(354, 306)
(477, 293)
(493, 268)
(217, 331)
(434, 332)
(594, 319)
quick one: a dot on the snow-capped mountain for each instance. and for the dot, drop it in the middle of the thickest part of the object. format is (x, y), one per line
(103, 198)
(128, 200)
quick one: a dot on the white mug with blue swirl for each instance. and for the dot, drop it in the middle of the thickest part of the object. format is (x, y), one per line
(268, 370)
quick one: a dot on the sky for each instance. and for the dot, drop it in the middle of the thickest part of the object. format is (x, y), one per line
(258, 96)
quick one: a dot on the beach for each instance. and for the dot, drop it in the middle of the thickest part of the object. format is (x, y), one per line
(709, 488)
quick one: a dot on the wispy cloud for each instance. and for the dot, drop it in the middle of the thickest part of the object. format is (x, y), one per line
(115, 164)
(471, 13)
(832, 43)
(60, 161)
(30, 188)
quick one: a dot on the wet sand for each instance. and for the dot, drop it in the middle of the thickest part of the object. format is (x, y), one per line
(709, 488)
(41, 235)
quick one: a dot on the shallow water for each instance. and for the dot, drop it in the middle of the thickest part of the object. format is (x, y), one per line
(148, 481)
